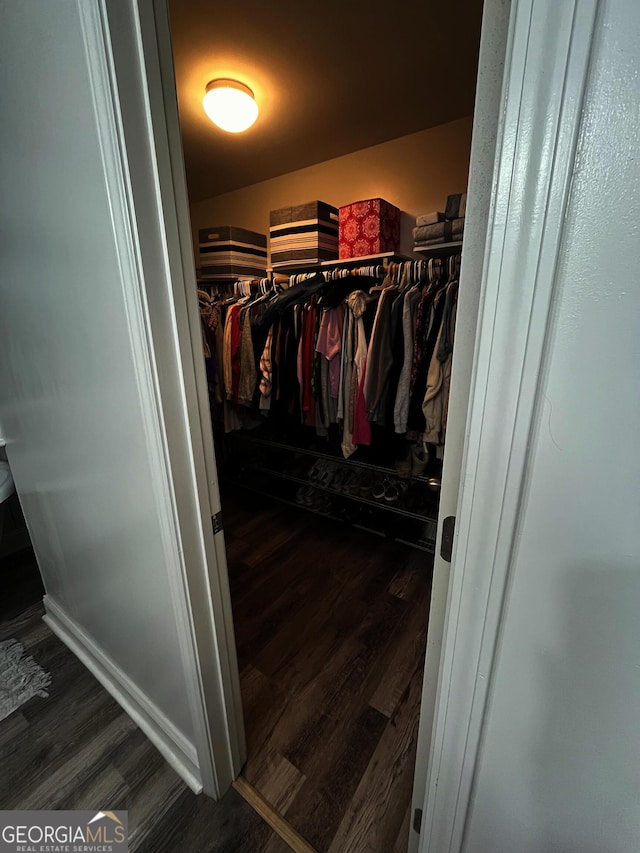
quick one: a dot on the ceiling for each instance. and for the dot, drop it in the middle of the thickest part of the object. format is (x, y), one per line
(329, 78)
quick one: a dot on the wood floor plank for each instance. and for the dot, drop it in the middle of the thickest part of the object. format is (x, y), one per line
(55, 787)
(36, 755)
(306, 549)
(305, 640)
(260, 625)
(253, 584)
(332, 630)
(10, 729)
(268, 544)
(22, 623)
(197, 824)
(36, 636)
(338, 690)
(408, 653)
(316, 812)
(252, 682)
(128, 766)
(276, 778)
(340, 725)
(106, 791)
(276, 845)
(374, 815)
(262, 719)
(410, 577)
(137, 761)
(389, 556)
(273, 818)
(402, 841)
(153, 805)
(50, 741)
(253, 524)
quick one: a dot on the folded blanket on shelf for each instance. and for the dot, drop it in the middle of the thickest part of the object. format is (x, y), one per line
(456, 206)
(425, 244)
(457, 228)
(437, 231)
(429, 218)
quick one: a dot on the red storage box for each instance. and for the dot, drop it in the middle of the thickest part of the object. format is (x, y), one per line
(368, 228)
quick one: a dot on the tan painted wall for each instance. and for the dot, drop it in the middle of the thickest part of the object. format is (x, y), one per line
(414, 172)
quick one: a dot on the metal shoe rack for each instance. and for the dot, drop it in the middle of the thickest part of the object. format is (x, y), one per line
(336, 488)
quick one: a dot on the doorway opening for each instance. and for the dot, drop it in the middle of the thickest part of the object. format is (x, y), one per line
(20, 579)
(328, 380)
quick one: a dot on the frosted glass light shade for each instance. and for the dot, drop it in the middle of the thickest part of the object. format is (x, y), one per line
(230, 105)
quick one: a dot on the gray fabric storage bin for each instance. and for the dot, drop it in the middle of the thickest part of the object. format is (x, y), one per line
(304, 233)
(230, 252)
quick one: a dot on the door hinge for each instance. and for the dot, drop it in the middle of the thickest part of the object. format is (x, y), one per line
(417, 820)
(448, 529)
(216, 521)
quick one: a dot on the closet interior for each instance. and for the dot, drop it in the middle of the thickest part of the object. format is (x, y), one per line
(328, 294)
(330, 387)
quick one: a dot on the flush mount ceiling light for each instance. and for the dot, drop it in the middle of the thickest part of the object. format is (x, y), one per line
(230, 105)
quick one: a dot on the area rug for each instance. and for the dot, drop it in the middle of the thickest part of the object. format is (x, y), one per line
(20, 678)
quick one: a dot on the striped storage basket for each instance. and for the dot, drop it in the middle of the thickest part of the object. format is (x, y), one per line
(304, 234)
(229, 253)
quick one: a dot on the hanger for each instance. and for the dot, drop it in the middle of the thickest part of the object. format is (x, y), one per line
(387, 282)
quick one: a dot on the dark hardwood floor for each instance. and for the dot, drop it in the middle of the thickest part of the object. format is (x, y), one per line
(331, 629)
(78, 749)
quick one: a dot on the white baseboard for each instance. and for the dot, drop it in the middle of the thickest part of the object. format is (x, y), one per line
(174, 747)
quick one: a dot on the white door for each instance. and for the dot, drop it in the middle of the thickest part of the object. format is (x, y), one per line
(481, 186)
(535, 743)
(548, 691)
(93, 390)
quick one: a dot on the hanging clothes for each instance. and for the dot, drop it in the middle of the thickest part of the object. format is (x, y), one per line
(247, 362)
(265, 373)
(329, 344)
(358, 428)
(380, 354)
(409, 311)
(369, 352)
(439, 376)
(430, 313)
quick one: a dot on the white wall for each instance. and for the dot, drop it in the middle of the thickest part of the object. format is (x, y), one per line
(558, 769)
(83, 437)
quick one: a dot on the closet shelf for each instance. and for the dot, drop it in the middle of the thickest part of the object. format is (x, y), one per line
(297, 266)
(359, 498)
(439, 249)
(292, 448)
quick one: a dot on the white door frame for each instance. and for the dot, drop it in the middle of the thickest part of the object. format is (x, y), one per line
(545, 73)
(158, 55)
(542, 88)
(487, 122)
(141, 90)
